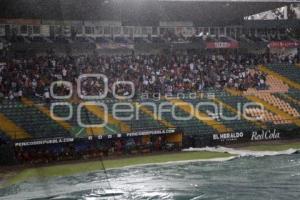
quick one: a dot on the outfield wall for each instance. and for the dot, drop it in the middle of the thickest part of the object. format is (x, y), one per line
(241, 137)
(8, 152)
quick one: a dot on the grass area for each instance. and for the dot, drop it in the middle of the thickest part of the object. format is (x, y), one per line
(74, 168)
(273, 147)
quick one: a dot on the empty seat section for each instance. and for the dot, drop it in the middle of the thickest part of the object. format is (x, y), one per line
(294, 93)
(289, 71)
(144, 121)
(32, 120)
(191, 126)
(279, 103)
(234, 124)
(238, 102)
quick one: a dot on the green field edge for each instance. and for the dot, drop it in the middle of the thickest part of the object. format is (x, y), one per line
(18, 176)
(272, 147)
(90, 166)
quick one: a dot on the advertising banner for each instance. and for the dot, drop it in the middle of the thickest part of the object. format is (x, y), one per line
(254, 136)
(114, 46)
(44, 141)
(284, 44)
(34, 22)
(100, 137)
(238, 137)
(222, 45)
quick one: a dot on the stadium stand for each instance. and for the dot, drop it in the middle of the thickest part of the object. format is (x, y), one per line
(294, 94)
(287, 70)
(193, 125)
(284, 77)
(29, 95)
(31, 120)
(229, 61)
(246, 65)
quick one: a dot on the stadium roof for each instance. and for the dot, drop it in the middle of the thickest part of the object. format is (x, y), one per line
(137, 12)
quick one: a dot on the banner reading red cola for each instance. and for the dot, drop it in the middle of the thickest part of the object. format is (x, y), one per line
(222, 45)
(284, 44)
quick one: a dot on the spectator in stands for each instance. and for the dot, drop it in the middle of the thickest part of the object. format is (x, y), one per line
(149, 73)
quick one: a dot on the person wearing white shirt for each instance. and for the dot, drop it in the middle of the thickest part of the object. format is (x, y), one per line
(64, 72)
(47, 96)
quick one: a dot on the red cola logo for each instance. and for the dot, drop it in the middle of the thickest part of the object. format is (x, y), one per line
(265, 135)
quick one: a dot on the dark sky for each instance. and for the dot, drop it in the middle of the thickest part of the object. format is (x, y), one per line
(133, 12)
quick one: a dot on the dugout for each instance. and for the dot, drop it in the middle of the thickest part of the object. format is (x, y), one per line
(93, 147)
(7, 154)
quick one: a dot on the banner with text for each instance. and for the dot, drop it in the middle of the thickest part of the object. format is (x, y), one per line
(222, 45)
(45, 141)
(284, 44)
(254, 136)
(114, 46)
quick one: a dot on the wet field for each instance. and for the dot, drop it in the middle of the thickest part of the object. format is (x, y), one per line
(250, 177)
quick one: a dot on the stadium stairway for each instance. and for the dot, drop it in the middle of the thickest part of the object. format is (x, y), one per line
(211, 111)
(275, 109)
(201, 116)
(153, 115)
(278, 103)
(287, 70)
(113, 125)
(143, 121)
(30, 119)
(90, 118)
(293, 102)
(275, 85)
(283, 77)
(76, 130)
(294, 93)
(11, 129)
(146, 122)
(191, 127)
(291, 99)
(234, 124)
(71, 126)
(266, 115)
(45, 111)
(247, 123)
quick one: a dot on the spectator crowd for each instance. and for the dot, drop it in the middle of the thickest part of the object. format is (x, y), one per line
(164, 74)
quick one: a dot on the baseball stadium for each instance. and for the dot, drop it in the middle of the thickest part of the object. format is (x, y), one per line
(149, 99)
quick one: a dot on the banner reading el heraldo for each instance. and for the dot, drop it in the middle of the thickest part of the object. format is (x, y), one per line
(255, 136)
